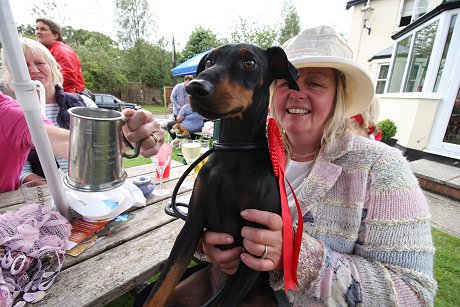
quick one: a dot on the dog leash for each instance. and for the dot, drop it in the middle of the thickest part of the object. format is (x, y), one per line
(172, 208)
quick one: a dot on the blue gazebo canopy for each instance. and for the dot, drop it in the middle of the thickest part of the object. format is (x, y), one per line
(190, 66)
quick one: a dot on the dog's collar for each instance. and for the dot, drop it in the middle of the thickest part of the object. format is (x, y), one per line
(239, 146)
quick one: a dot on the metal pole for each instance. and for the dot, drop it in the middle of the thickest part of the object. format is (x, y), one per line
(26, 94)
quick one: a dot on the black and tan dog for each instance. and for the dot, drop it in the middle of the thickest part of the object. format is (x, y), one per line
(232, 84)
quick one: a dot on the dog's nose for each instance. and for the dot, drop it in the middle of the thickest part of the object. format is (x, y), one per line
(199, 88)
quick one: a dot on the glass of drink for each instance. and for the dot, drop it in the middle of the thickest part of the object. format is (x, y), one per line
(161, 161)
(204, 148)
(191, 150)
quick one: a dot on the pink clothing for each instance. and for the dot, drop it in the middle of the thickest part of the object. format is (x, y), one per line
(15, 143)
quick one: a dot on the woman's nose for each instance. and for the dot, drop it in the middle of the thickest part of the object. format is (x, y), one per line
(302, 94)
(32, 68)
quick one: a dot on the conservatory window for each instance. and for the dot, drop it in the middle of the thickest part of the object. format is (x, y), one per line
(415, 53)
(420, 57)
(402, 52)
(411, 10)
(382, 78)
(444, 53)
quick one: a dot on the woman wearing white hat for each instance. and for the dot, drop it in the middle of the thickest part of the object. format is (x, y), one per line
(367, 236)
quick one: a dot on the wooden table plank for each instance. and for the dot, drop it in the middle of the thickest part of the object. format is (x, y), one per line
(101, 279)
(119, 262)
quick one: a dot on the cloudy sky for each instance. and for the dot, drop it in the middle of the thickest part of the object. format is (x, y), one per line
(180, 17)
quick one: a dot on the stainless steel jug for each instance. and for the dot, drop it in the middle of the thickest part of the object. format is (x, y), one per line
(96, 157)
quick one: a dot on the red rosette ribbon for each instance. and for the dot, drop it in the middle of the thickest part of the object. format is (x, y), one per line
(291, 241)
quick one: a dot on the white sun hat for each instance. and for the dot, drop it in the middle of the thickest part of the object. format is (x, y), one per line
(323, 47)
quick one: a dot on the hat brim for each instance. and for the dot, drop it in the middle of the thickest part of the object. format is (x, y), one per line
(359, 85)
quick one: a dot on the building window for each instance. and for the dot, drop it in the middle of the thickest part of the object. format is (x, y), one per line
(411, 10)
(415, 53)
(444, 52)
(382, 78)
(402, 52)
(420, 57)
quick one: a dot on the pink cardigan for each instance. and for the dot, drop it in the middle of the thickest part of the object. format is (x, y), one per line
(369, 238)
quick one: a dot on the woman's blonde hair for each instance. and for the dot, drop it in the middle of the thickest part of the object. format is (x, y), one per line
(36, 49)
(336, 124)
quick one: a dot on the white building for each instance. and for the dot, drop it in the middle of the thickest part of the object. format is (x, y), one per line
(412, 50)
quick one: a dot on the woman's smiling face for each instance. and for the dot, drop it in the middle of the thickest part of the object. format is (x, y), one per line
(306, 111)
(39, 70)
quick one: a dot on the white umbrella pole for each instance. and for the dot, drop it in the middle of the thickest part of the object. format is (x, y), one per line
(26, 94)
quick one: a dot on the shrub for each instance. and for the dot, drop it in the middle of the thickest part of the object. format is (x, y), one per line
(388, 128)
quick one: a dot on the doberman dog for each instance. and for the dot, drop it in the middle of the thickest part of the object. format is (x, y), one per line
(232, 84)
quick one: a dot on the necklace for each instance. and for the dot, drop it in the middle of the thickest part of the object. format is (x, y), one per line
(301, 157)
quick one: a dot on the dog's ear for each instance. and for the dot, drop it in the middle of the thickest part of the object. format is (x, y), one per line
(283, 69)
(202, 64)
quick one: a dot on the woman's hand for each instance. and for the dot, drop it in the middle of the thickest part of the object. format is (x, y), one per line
(141, 125)
(227, 260)
(254, 241)
(265, 244)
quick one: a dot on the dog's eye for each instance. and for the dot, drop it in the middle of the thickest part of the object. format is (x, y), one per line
(209, 63)
(249, 64)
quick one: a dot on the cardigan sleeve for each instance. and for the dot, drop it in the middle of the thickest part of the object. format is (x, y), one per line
(392, 262)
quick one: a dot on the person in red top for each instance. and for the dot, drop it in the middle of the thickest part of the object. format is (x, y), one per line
(48, 33)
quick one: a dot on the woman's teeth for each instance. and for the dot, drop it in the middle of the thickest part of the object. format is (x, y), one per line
(298, 111)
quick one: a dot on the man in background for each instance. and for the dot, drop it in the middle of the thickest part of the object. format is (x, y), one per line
(48, 33)
(179, 96)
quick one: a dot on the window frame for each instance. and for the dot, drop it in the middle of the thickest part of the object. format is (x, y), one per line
(378, 79)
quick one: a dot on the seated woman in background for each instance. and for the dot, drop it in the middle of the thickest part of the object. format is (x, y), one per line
(43, 67)
(190, 120)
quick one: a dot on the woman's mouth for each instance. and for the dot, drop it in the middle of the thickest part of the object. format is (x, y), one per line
(298, 111)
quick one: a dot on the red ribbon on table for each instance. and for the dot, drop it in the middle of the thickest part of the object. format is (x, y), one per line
(291, 241)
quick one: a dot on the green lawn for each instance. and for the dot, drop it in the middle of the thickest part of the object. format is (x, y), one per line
(447, 269)
(156, 109)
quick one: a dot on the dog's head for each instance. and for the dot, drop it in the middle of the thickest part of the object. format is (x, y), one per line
(179, 130)
(229, 77)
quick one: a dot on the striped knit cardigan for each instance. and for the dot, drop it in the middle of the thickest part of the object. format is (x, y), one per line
(371, 216)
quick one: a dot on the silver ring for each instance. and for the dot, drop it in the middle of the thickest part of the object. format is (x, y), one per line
(265, 252)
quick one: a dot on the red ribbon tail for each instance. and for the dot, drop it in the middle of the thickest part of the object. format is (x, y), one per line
(289, 279)
(297, 237)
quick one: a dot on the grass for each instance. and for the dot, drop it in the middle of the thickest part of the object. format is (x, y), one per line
(446, 272)
(156, 109)
(447, 268)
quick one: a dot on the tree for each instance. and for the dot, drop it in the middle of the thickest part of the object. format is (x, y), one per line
(291, 22)
(263, 36)
(27, 31)
(100, 59)
(147, 63)
(135, 22)
(199, 41)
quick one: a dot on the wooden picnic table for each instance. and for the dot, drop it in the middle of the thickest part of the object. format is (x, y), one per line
(119, 262)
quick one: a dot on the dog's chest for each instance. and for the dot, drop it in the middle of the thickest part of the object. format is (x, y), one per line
(228, 184)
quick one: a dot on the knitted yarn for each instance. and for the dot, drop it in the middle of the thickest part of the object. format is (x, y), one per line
(33, 243)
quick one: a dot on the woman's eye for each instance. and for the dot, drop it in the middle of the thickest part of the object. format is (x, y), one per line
(249, 64)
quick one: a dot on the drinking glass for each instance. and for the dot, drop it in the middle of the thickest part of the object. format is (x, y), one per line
(204, 148)
(191, 150)
(161, 161)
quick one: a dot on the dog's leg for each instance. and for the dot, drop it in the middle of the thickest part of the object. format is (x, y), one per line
(178, 261)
